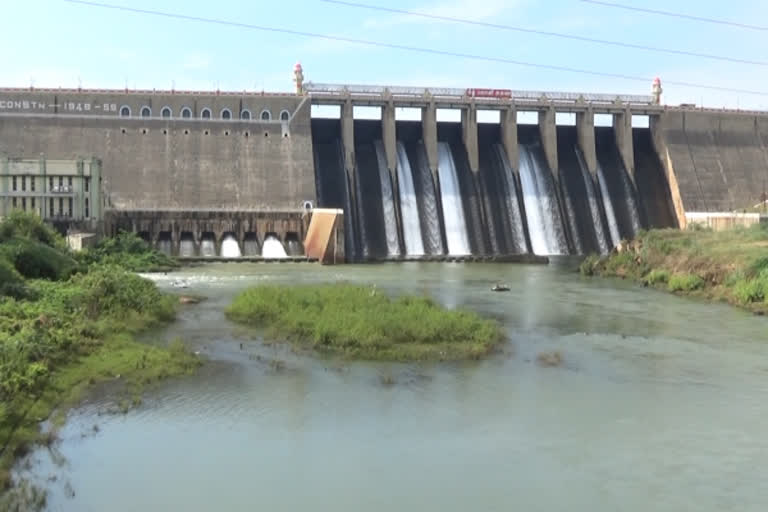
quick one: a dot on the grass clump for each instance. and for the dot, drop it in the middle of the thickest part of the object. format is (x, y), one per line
(684, 283)
(361, 323)
(730, 265)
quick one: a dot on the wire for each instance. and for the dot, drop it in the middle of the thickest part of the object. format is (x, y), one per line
(545, 33)
(430, 51)
(676, 15)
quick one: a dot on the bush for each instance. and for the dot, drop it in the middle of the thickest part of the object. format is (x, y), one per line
(750, 291)
(11, 282)
(589, 266)
(35, 260)
(129, 251)
(685, 283)
(19, 224)
(657, 276)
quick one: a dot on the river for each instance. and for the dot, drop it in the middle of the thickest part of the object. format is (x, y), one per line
(660, 404)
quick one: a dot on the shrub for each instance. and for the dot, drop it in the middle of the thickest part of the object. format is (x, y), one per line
(657, 276)
(19, 224)
(589, 265)
(129, 251)
(11, 282)
(684, 282)
(752, 290)
(35, 260)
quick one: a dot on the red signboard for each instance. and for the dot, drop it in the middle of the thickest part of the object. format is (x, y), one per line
(489, 93)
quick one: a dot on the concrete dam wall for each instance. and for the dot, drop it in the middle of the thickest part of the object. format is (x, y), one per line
(196, 173)
(719, 160)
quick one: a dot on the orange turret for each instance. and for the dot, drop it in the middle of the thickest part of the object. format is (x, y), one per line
(298, 78)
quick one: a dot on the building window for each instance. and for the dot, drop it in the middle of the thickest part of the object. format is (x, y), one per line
(24, 203)
(87, 184)
(206, 113)
(50, 183)
(23, 183)
(285, 115)
(146, 112)
(69, 183)
(166, 112)
(50, 207)
(32, 203)
(61, 182)
(266, 115)
(245, 115)
(32, 183)
(13, 203)
(226, 114)
(186, 113)
(70, 207)
(125, 111)
(13, 183)
(61, 206)
(87, 210)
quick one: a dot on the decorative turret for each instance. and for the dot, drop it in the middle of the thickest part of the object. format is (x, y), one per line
(298, 78)
(656, 91)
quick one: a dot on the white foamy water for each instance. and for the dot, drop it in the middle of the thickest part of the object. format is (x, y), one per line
(453, 209)
(540, 206)
(186, 248)
(388, 202)
(207, 248)
(610, 213)
(273, 248)
(409, 210)
(230, 248)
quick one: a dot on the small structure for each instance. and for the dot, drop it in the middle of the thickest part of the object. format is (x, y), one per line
(325, 236)
(298, 78)
(656, 91)
(79, 241)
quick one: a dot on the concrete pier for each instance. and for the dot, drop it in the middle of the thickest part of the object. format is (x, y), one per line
(622, 126)
(585, 132)
(469, 134)
(508, 120)
(429, 134)
(548, 129)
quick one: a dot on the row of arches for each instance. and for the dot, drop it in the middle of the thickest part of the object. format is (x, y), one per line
(206, 113)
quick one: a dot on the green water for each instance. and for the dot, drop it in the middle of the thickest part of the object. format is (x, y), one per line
(660, 404)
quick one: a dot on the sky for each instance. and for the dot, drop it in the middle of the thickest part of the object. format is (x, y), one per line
(52, 43)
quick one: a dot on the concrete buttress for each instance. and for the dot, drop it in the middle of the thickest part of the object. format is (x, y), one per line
(469, 132)
(622, 126)
(548, 129)
(585, 131)
(508, 119)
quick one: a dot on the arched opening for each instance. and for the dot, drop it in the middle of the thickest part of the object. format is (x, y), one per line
(226, 114)
(125, 111)
(166, 112)
(146, 112)
(245, 115)
(206, 113)
(273, 247)
(251, 244)
(230, 248)
(164, 243)
(186, 113)
(285, 115)
(266, 115)
(187, 247)
(208, 245)
(293, 245)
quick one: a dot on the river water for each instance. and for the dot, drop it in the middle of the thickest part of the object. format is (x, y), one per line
(660, 404)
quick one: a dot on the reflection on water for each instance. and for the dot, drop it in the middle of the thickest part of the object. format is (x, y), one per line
(659, 405)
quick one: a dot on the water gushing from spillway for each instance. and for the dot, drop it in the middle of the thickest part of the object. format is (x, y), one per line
(273, 248)
(207, 248)
(520, 246)
(453, 209)
(632, 207)
(164, 246)
(594, 206)
(230, 248)
(251, 247)
(388, 202)
(610, 212)
(293, 248)
(540, 199)
(427, 199)
(414, 245)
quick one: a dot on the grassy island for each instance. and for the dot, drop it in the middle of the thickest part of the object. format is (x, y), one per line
(730, 266)
(359, 322)
(67, 323)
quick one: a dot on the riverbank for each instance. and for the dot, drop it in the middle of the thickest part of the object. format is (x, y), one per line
(67, 323)
(359, 322)
(729, 266)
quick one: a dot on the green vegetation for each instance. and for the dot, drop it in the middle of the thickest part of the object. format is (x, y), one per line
(360, 323)
(730, 265)
(66, 323)
(130, 252)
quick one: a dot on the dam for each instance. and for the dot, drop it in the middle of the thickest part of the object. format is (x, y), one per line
(232, 174)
